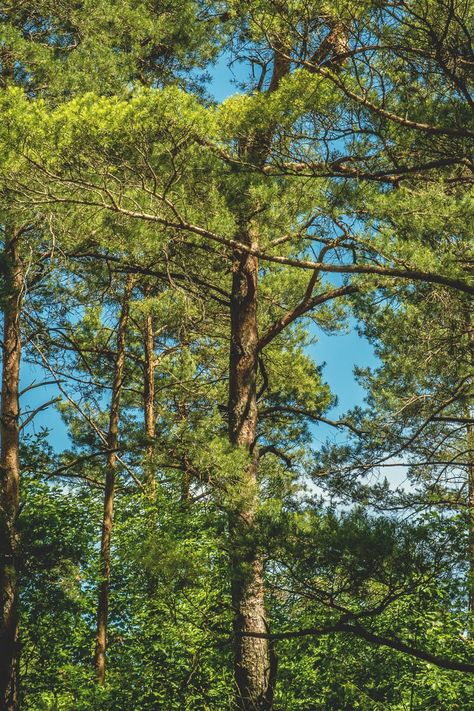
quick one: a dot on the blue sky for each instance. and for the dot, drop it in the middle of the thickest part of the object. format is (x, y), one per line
(340, 353)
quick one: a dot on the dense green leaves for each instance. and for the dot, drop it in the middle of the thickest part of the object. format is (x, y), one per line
(344, 165)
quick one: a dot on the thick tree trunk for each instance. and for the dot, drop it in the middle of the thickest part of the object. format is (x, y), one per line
(252, 657)
(107, 521)
(10, 475)
(254, 661)
(149, 404)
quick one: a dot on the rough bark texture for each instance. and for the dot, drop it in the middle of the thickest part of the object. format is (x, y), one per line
(107, 520)
(12, 289)
(252, 656)
(254, 662)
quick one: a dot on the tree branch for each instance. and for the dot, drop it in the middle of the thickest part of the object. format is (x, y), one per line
(358, 631)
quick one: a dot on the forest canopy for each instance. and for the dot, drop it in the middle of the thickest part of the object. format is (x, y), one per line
(194, 197)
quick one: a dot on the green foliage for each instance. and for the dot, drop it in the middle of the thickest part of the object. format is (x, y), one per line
(355, 159)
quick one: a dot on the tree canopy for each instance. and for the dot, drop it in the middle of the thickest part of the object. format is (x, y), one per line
(203, 532)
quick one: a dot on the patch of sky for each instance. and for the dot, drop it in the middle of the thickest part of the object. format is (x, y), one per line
(226, 76)
(38, 390)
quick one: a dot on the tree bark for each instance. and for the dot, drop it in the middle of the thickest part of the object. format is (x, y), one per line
(254, 661)
(111, 465)
(252, 657)
(10, 473)
(149, 403)
(470, 467)
(470, 477)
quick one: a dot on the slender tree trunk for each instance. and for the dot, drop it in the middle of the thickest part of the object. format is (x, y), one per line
(185, 494)
(470, 468)
(107, 521)
(185, 488)
(149, 404)
(252, 657)
(470, 475)
(10, 474)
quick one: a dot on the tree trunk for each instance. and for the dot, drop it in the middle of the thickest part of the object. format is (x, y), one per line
(10, 475)
(470, 468)
(254, 661)
(149, 404)
(252, 657)
(107, 521)
(470, 476)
